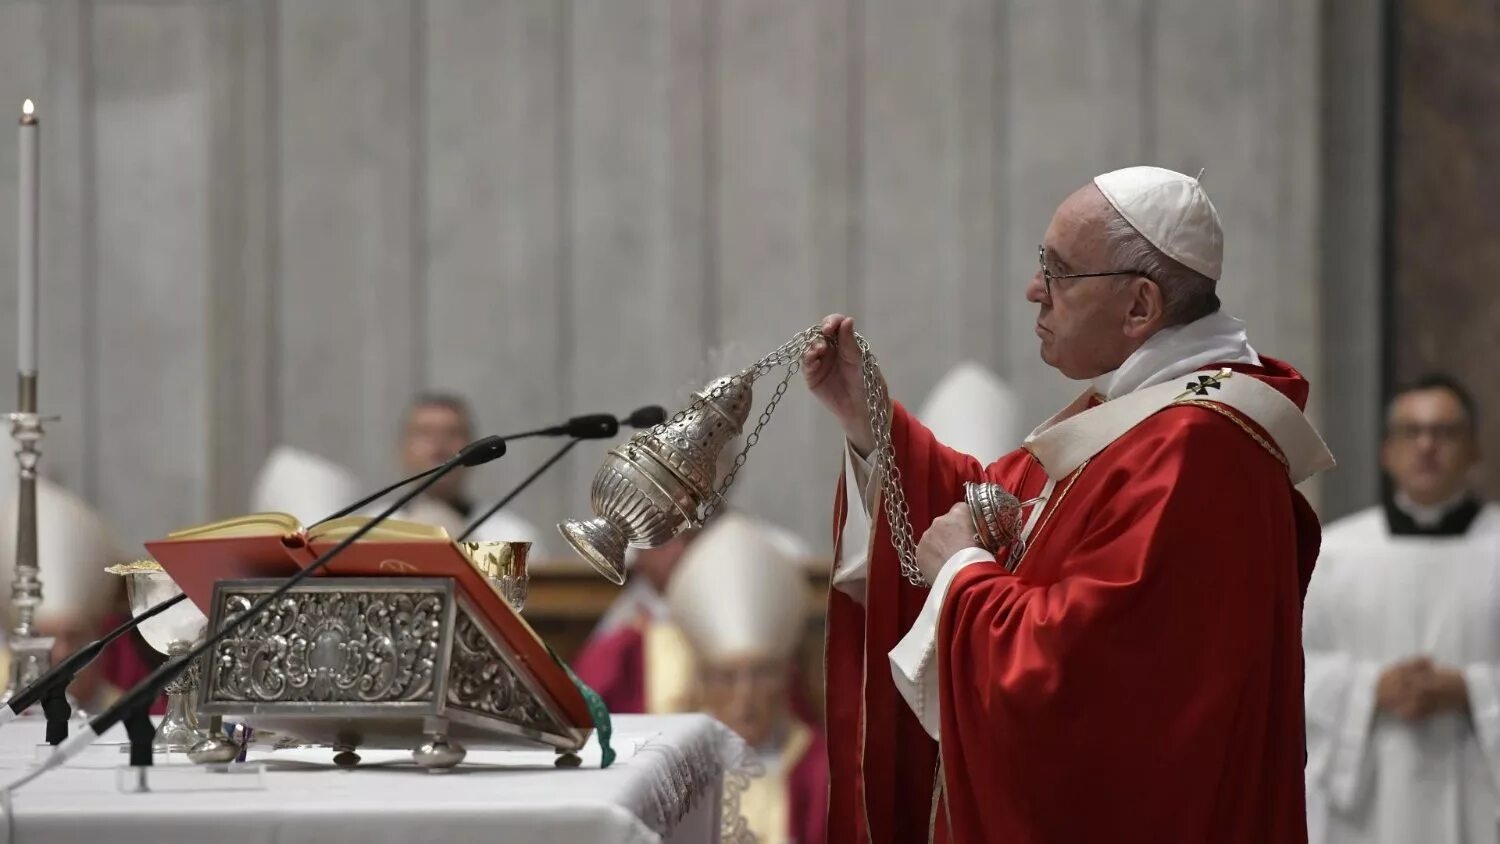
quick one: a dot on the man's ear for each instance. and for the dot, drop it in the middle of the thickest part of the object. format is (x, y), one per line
(1148, 308)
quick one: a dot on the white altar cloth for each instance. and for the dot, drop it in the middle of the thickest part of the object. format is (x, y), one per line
(666, 785)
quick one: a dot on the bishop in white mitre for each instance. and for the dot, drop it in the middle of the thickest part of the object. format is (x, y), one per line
(1402, 634)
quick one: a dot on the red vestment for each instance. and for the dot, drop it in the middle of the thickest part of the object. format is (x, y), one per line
(807, 792)
(614, 665)
(1138, 678)
(128, 661)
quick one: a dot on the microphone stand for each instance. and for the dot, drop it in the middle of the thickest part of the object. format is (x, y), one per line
(133, 703)
(54, 684)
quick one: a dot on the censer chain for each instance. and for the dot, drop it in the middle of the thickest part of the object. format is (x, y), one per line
(893, 497)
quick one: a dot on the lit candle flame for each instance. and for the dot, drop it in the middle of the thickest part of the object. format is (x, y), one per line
(27, 108)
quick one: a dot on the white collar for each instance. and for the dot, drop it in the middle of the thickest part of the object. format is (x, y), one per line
(1428, 516)
(1174, 352)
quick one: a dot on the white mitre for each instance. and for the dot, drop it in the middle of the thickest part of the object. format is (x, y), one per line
(735, 594)
(973, 411)
(303, 484)
(74, 547)
(1172, 211)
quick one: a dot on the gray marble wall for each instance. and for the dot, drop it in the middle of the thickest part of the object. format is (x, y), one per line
(273, 221)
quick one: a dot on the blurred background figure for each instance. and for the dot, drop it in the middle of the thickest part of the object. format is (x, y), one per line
(973, 410)
(741, 604)
(1402, 633)
(635, 658)
(304, 485)
(436, 427)
(80, 600)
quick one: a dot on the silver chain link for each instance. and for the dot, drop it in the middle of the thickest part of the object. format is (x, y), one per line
(789, 355)
(892, 494)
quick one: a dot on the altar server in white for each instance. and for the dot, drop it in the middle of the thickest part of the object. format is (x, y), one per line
(1402, 633)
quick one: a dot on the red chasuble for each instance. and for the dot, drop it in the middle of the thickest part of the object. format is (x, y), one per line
(1138, 678)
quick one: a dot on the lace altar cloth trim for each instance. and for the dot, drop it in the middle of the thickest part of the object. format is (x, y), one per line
(686, 774)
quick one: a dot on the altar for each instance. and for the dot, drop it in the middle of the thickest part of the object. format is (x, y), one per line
(668, 784)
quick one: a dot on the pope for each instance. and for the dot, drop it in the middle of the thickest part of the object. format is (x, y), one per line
(1137, 674)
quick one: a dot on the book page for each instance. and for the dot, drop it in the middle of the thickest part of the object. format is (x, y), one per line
(253, 524)
(336, 530)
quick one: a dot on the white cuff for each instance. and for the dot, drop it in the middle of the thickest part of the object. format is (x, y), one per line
(851, 572)
(912, 660)
(1346, 770)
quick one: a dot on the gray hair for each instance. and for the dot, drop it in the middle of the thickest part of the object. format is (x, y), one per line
(1187, 294)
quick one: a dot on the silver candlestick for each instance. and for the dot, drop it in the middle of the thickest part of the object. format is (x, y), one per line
(31, 655)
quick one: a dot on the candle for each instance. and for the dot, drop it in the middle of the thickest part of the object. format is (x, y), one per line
(26, 243)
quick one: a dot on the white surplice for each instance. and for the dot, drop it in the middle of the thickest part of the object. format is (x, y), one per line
(1377, 599)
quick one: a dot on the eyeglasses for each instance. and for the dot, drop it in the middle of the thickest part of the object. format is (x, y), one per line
(1443, 432)
(1049, 276)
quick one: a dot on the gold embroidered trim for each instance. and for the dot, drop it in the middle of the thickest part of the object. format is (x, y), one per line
(1234, 417)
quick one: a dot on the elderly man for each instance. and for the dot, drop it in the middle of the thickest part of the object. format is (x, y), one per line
(1403, 643)
(1132, 669)
(740, 603)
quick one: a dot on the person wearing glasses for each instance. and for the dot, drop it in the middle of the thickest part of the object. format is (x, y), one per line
(1130, 668)
(1402, 633)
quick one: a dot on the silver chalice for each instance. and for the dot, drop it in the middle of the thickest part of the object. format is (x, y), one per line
(173, 632)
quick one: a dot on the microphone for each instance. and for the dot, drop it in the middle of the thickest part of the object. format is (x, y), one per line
(474, 454)
(641, 417)
(646, 417)
(593, 426)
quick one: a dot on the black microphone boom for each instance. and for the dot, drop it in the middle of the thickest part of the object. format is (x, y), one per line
(477, 452)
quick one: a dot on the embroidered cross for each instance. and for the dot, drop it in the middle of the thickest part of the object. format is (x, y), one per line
(1205, 383)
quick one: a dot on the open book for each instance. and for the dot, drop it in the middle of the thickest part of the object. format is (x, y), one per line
(264, 545)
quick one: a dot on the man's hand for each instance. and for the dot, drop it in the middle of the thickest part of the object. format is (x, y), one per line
(949, 534)
(835, 374)
(1416, 689)
(1396, 688)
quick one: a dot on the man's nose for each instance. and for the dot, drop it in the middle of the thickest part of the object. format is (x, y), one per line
(1036, 289)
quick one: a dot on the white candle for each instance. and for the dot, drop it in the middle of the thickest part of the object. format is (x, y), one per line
(27, 242)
